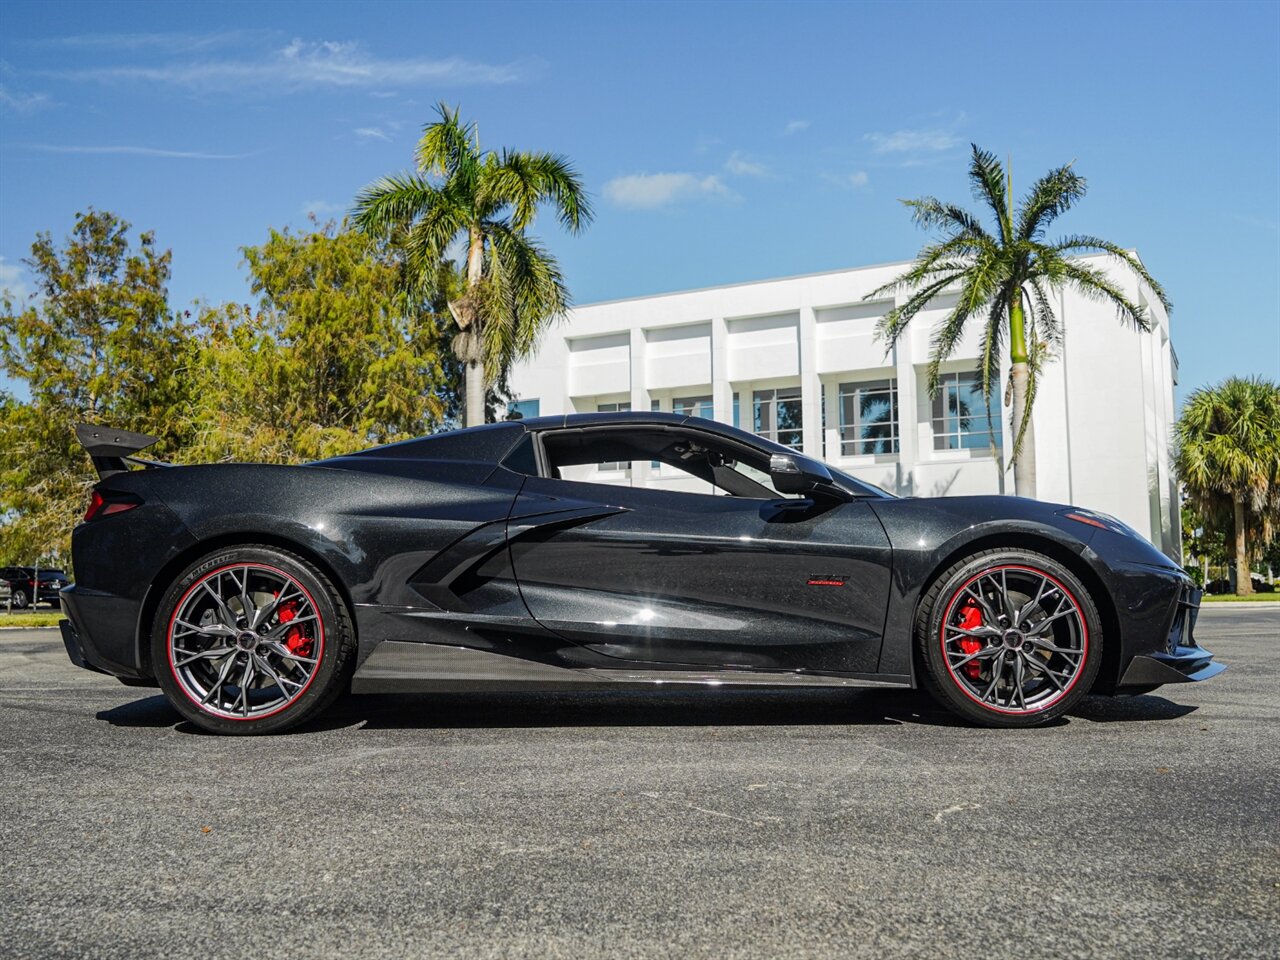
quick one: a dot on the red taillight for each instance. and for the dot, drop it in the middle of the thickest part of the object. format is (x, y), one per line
(100, 506)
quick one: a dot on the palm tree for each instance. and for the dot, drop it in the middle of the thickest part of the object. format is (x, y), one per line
(511, 289)
(1006, 279)
(1227, 444)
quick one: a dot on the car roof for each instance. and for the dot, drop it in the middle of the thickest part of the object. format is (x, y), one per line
(629, 417)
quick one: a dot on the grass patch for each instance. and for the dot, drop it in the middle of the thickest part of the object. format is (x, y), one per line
(41, 619)
(1232, 598)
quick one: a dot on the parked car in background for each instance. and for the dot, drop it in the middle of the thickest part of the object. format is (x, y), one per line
(24, 590)
(5, 592)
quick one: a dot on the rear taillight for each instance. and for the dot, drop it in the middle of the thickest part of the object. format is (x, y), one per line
(100, 506)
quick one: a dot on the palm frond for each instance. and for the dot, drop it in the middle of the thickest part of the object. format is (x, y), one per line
(427, 239)
(448, 148)
(930, 213)
(525, 180)
(1092, 284)
(1045, 327)
(1050, 197)
(989, 348)
(392, 201)
(524, 292)
(891, 326)
(981, 285)
(1082, 243)
(931, 261)
(986, 175)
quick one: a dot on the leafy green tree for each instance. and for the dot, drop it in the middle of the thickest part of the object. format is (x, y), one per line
(336, 357)
(96, 343)
(1005, 280)
(510, 288)
(1227, 444)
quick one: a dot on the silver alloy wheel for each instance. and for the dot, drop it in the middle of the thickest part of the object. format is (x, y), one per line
(1014, 639)
(245, 641)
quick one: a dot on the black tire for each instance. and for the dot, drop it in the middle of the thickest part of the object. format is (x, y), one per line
(20, 600)
(990, 680)
(331, 640)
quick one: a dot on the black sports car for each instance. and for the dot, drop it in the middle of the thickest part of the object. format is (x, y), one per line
(28, 585)
(494, 558)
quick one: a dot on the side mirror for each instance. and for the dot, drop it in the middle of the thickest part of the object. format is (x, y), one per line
(793, 473)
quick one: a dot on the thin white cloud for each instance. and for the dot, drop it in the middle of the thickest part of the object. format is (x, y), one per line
(322, 208)
(302, 65)
(136, 151)
(12, 281)
(856, 180)
(795, 126)
(740, 166)
(647, 191)
(371, 133)
(912, 141)
(915, 142)
(21, 102)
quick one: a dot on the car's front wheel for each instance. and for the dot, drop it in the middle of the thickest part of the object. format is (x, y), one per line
(1008, 638)
(251, 639)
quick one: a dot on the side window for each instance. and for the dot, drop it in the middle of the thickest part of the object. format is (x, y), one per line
(522, 458)
(691, 462)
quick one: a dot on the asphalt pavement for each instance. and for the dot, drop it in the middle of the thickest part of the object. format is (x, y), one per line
(720, 824)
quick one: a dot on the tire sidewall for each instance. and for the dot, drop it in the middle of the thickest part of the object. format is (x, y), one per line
(937, 674)
(19, 599)
(319, 690)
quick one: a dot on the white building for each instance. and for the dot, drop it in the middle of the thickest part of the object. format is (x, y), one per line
(797, 359)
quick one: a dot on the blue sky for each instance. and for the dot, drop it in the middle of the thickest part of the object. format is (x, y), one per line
(722, 142)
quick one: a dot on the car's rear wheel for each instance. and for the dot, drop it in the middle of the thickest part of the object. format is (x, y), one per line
(252, 639)
(20, 599)
(1008, 638)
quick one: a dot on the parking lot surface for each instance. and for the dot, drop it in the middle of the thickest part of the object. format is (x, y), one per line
(723, 824)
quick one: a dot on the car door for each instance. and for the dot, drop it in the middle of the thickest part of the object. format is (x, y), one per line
(667, 577)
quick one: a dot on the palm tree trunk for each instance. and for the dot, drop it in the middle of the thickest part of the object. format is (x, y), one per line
(475, 362)
(1244, 582)
(1024, 453)
(475, 394)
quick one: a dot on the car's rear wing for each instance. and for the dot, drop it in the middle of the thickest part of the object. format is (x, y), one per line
(112, 450)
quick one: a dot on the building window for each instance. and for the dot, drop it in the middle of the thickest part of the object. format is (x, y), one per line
(523, 409)
(960, 420)
(619, 407)
(778, 416)
(868, 418)
(692, 407)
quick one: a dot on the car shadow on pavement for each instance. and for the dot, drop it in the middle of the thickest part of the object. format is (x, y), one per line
(726, 708)
(1129, 709)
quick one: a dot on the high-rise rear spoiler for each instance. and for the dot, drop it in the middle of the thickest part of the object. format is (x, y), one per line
(112, 450)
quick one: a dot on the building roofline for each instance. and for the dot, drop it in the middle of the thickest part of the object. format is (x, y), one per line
(751, 283)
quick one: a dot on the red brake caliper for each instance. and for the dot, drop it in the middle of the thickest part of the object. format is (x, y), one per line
(970, 619)
(294, 639)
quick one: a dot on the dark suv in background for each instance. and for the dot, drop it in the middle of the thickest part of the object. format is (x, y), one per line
(23, 590)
